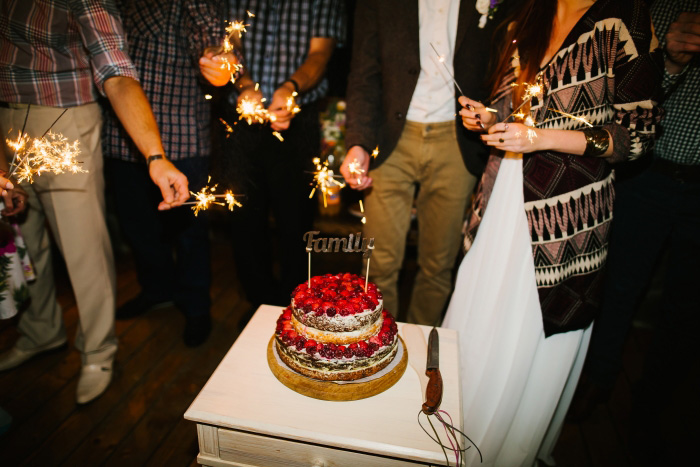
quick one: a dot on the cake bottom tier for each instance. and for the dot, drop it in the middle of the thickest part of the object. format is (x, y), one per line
(339, 369)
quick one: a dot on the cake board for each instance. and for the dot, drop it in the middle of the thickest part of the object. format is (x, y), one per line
(328, 390)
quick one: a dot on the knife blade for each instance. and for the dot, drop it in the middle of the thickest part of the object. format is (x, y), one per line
(433, 392)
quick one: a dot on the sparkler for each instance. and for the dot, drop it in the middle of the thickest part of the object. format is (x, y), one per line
(568, 115)
(441, 59)
(362, 210)
(206, 197)
(51, 153)
(375, 153)
(531, 90)
(354, 168)
(227, 47)
(325, 180)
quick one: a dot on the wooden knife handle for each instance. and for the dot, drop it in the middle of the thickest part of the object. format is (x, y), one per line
(433, 393)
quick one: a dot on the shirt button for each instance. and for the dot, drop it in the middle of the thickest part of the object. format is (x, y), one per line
(399, 115)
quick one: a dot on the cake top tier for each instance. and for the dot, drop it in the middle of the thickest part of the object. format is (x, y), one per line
(342, 294)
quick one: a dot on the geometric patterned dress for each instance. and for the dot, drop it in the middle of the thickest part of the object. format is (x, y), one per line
(527, 291)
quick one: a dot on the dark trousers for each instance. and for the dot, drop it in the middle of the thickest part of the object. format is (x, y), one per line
(170, 248)
(275, 178)
(652, 210)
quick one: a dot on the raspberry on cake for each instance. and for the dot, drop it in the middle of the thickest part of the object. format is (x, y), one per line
(336, 330)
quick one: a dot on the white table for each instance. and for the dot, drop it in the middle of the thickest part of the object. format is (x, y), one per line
(246, 417)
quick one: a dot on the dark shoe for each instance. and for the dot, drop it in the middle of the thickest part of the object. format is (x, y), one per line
(197, 330)
(138, 306)
(587, 398)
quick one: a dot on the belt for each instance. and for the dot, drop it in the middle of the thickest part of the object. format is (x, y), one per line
(679, 172)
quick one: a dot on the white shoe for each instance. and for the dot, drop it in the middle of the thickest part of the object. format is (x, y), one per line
(93, 381)
(15, 357)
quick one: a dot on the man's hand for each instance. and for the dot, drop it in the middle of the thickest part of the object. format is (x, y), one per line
(172, 183)
(682, 41)
(356, 158)
(217, 68)
(279, 107)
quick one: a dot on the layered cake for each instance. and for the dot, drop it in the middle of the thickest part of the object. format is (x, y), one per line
(336, 330)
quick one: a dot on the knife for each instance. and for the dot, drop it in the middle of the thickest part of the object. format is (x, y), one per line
(433, 393)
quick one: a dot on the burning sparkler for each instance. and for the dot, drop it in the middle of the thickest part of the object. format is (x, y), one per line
(325, 180)
(375, 153)
(50, 153)
(568, 115)
(355, 169)
(206, 197)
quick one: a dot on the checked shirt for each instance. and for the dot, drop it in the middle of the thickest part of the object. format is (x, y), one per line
(165, 40)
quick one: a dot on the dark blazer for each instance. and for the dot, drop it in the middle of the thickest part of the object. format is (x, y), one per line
(385, 67)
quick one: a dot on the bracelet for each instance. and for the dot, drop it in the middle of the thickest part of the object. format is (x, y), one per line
(152, 158)
(597, 142)
(294, 83)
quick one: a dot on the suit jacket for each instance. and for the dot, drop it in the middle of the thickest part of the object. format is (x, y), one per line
(385, 67)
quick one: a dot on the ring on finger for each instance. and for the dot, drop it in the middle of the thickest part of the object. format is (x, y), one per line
(506, 127)
(501, 140)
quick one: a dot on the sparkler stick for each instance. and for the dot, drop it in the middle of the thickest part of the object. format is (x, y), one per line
(308, 250)
(571, 116)
(21, 135)
(441, 59)
(54, 122)
(362, 210)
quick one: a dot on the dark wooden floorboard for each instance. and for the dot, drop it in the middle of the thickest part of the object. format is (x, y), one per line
(139, 420)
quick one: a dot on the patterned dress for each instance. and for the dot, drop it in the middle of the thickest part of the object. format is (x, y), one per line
(606, 72)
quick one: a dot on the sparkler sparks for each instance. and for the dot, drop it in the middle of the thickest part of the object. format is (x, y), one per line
(325, 180)
(50, 153)
(252, 111)
(355, 169)
(375, 153)
(206, 197)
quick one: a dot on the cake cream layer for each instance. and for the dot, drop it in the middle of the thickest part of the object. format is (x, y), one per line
(336, 369)
(334, 337)
(338, 323)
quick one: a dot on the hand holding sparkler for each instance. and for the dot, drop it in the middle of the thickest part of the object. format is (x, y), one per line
(283, 106)
(172, 183)
(15, 200)
(355, 167)
(475, 115)
(514, 137)
(219, 68)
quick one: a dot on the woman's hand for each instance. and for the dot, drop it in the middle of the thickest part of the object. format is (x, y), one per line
(15, 201)
(218, 69)
(513, 137)
(475, 117)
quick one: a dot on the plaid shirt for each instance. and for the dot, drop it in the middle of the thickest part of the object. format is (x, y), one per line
(53, 51)
(278, 38)
(166, 39)
(680, 140)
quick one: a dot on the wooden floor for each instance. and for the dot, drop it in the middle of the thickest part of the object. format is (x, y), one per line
(139, 419)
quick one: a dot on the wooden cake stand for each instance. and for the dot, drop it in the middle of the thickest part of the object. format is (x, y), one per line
(328, 390)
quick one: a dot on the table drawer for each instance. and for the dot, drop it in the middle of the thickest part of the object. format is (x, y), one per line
(242, 448)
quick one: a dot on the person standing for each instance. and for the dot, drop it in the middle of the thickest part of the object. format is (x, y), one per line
(585, 76)
(401, 99)
(51, 75)
(168, 42)
(285, 50)
(666, 190)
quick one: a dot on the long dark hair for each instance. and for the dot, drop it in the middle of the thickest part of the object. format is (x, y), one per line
(529, 30)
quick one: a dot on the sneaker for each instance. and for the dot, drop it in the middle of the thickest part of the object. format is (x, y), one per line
(197, 330)
(138, 306)
(15, 357)
(93, 381)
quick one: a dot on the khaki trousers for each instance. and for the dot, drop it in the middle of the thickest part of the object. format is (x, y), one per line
(73, 208)
(426, 158)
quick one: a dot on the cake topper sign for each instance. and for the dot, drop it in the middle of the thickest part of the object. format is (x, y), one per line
(352, 244)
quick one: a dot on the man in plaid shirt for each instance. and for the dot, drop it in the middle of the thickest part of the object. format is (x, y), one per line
(286, 48)
(166, 41)
(55, 57)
